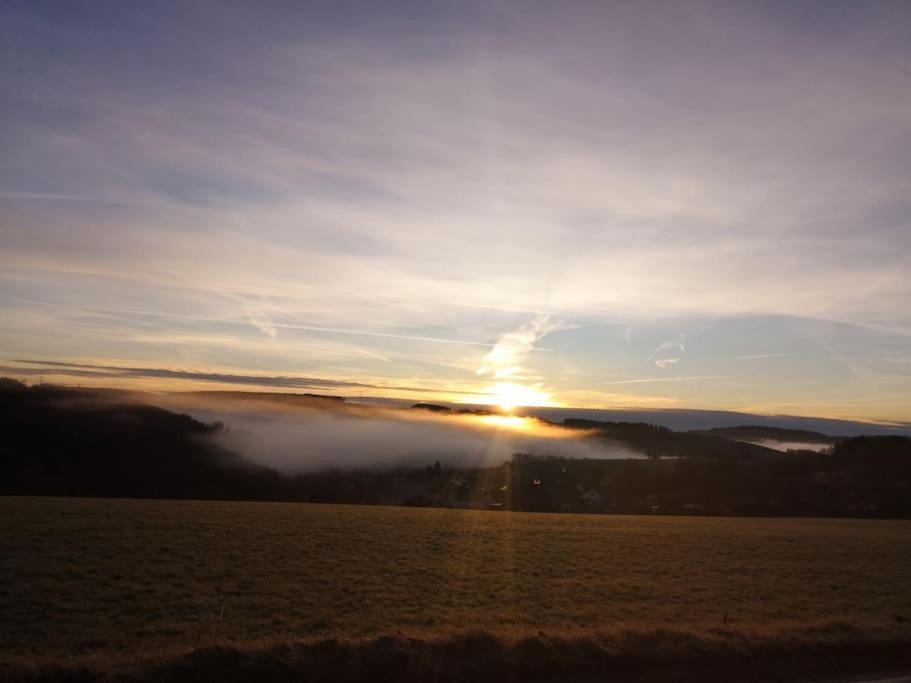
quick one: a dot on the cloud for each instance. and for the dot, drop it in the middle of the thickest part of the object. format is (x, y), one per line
(45, 196)
(261, 320)
(649, 380)
(706, 163)
(371, 354)
(646, 196)
(263, 381)
(668, 354)
(508, 354)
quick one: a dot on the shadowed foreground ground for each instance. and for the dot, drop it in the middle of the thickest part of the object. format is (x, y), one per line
(178, 590)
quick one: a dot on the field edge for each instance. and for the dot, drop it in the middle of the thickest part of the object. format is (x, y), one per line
(834, 651)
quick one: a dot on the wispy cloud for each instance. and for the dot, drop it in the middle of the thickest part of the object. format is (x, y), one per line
(35, 367)
(649, 380)
(45, 196)
(369, 192)
(261, 320)
(669, 353)
(273, 326)
(371, 354)
(506, 358)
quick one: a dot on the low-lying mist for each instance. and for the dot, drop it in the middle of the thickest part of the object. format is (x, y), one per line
(319, 434)
(785, 446)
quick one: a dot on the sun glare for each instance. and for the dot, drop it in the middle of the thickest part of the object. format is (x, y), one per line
(505, 421)
(509, 395)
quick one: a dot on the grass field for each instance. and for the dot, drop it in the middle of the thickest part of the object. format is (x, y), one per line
(113, 581)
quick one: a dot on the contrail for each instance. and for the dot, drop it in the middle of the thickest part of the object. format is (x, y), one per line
(307, 328)
(667, 379)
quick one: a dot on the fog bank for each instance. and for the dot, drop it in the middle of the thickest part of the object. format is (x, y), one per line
(785, 446)
(303, 435)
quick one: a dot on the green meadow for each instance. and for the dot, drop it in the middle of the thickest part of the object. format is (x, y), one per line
(106, 583)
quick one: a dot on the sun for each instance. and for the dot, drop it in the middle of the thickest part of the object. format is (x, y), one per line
(509, 395)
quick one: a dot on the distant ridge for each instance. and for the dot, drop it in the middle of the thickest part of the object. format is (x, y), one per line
(680, 419)
(759, 432)
(657, 441)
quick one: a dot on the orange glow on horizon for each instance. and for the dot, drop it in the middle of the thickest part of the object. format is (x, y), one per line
(506, 421)
(509, 396)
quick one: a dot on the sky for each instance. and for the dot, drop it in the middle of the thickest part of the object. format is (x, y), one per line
(593, 204)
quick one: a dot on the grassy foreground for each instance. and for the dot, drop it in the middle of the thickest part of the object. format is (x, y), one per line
(159, 590)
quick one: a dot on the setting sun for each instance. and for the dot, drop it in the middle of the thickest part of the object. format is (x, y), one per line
(509, 395)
